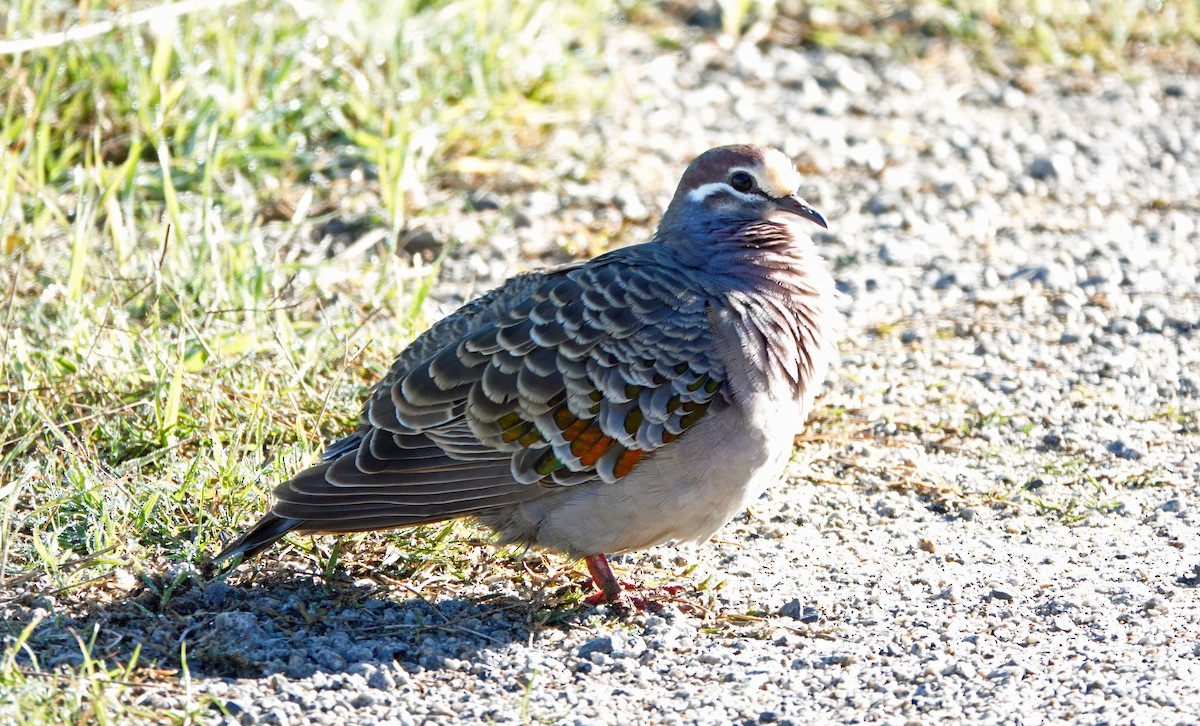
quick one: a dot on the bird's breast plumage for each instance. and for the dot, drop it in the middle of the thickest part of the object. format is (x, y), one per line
(774, 312)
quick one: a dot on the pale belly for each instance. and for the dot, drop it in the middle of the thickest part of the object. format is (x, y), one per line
(685, 492)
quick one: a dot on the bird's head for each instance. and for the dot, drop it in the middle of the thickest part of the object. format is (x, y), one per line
(735, 185)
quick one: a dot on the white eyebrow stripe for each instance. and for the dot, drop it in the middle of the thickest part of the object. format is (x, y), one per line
(704, 191)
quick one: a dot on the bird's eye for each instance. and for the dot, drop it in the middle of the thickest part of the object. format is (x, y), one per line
(741, 181)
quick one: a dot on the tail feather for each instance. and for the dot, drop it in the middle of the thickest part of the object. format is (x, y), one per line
(309, 502)
(272, 526)
(259, 537)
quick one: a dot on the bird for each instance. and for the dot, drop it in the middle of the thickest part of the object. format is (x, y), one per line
(645, 396)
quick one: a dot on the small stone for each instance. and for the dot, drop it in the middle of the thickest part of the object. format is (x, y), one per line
(418, 241)
(795, 610)
(1173, 505)
(1041, 168)
(1124, 450)
(484, 202)
(237, 624)
(1123, 327)
(1152, 320)
(1013, 97)
(906, 78)
(366, 670)
(540, 204)
(217, 593)
(602, 644)
(851, 80)
(1045, 167)
(1001, 593)
(1064, 168)
(366, 699)
(1052, 276)
(520, 219)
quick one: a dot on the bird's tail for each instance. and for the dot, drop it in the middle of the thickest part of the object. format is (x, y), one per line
(271, 527)
(258, 538)
(358, 501)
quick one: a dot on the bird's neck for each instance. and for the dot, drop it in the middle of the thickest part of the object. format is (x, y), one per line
(782, 303)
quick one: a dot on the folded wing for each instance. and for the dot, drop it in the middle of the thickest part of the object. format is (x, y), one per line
(556, 379)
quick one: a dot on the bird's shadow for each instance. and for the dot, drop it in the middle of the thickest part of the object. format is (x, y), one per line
(285, 623)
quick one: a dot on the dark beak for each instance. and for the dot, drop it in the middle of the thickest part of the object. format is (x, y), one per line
(797, 206)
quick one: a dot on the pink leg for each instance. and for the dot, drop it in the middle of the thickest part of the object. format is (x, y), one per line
(614, 592)
(606, 581)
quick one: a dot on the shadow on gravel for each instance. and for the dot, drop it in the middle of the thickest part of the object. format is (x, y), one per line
(297, 626)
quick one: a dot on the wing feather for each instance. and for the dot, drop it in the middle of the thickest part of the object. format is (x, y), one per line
(556, 379)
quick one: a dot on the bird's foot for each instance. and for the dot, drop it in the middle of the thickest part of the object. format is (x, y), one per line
(620, 597)
(651, 600)
(611, 591)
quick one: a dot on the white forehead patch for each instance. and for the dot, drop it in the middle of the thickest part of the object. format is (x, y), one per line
(778, 177)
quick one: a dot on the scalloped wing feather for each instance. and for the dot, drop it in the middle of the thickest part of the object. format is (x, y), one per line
(597, 367)
(555, 379)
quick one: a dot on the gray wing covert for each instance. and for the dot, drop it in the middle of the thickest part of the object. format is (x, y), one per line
(557, 378)
(593, 369)
(470, 317)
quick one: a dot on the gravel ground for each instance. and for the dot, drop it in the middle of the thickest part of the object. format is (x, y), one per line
(994, 516)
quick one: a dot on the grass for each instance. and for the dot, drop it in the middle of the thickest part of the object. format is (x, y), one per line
(1104, 33)
(158, 304)
(1077, 503)
(173, 341)
(1110, 34)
